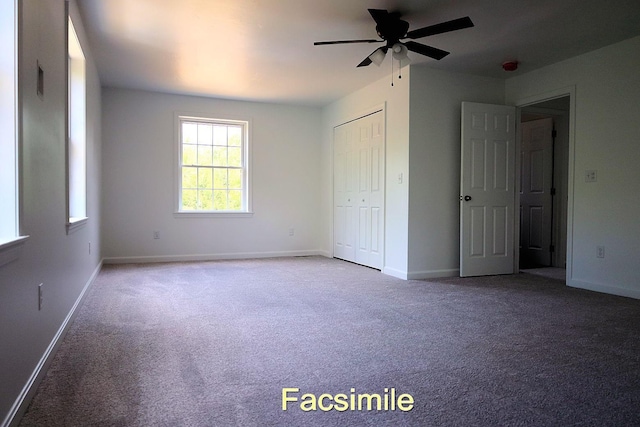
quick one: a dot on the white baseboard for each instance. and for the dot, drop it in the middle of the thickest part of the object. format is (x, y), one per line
(420, 275)
(395, 273)
(22, 402)
(209, 257)
(607, 289)
(326, 254)
(433, 274)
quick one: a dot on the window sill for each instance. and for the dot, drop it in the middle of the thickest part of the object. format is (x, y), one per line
(75, 224)
(10, 249)
(210, 214)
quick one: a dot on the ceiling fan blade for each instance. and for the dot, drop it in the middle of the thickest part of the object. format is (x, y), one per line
(379, 15)
(347, 41)
(429, 51)
(365, 62)
(443, 27)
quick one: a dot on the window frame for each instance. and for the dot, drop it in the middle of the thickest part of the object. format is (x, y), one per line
(76, 146)
(245, 123)
(10, 236)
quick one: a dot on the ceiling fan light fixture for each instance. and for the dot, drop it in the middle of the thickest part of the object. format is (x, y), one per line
(377, 56)
(399, 51)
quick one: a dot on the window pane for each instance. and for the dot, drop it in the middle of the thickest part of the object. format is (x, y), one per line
(235, 179)
(235, 136)
(220, 200)
(220, 135)
(213, 168)
(235, 156)
(189, 133)
(205, 155)
(204, 178)
(205, 134)
(189, 200)
(220, 156)
(235, 200)
(205, 200)
(189, 177)
(220, 178)
(189, 154)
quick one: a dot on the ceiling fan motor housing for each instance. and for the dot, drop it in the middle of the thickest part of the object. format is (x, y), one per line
(392, 30)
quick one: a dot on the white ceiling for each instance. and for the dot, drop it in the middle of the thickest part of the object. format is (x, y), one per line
(263, 50)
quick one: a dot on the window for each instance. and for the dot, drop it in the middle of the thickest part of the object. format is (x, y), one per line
(8, 128)
(213, 172)
(77, 134)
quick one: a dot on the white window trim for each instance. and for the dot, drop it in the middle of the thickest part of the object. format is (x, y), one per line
(178, 117)
(11, 242)
(10, 250)
(76, 199)
(76, 223)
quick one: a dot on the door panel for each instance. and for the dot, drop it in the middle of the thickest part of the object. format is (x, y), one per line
(535, 192)
(487, 197)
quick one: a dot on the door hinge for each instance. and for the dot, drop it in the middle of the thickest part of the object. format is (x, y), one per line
(553, 191)
(552, 248)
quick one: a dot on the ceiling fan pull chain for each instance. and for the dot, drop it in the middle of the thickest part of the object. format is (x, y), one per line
(392, 71)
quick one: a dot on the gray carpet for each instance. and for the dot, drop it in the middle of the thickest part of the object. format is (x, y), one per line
(214, 343)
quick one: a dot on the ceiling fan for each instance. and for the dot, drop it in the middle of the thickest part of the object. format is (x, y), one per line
(392, 30)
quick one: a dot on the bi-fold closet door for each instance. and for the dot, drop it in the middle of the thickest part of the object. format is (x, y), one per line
(359, 190)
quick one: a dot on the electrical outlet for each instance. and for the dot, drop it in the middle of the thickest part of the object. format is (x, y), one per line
(600, 251)
(591, 176)
(292, 231)
(156, 234)
(40, 297)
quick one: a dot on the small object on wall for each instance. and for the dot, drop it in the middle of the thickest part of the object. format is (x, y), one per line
(40, 296)
(510, 65)
(40, 85)
(591, 176)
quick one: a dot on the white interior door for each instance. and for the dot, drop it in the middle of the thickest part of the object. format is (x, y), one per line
(359, 190)
(487, 193)
(343, 194)
(536, 152)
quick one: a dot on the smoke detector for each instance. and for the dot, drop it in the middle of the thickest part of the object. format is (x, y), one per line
(510, 65)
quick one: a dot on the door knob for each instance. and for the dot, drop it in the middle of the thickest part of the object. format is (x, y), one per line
(467, 198)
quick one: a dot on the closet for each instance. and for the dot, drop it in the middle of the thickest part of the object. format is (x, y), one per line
(358, 190)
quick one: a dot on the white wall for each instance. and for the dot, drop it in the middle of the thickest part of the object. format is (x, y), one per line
(61, 262)
(139, 153)
(422, 144)
(396, 102)
(434, 165)
(607, 139)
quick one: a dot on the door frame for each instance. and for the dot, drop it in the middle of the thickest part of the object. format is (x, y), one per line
(569, 91)
(343, 121)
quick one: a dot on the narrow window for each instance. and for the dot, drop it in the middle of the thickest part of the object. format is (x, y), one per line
(77, 133)
(8, 128)
(213, 172)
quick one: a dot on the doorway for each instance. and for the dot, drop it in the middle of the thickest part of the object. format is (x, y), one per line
(543, 195)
